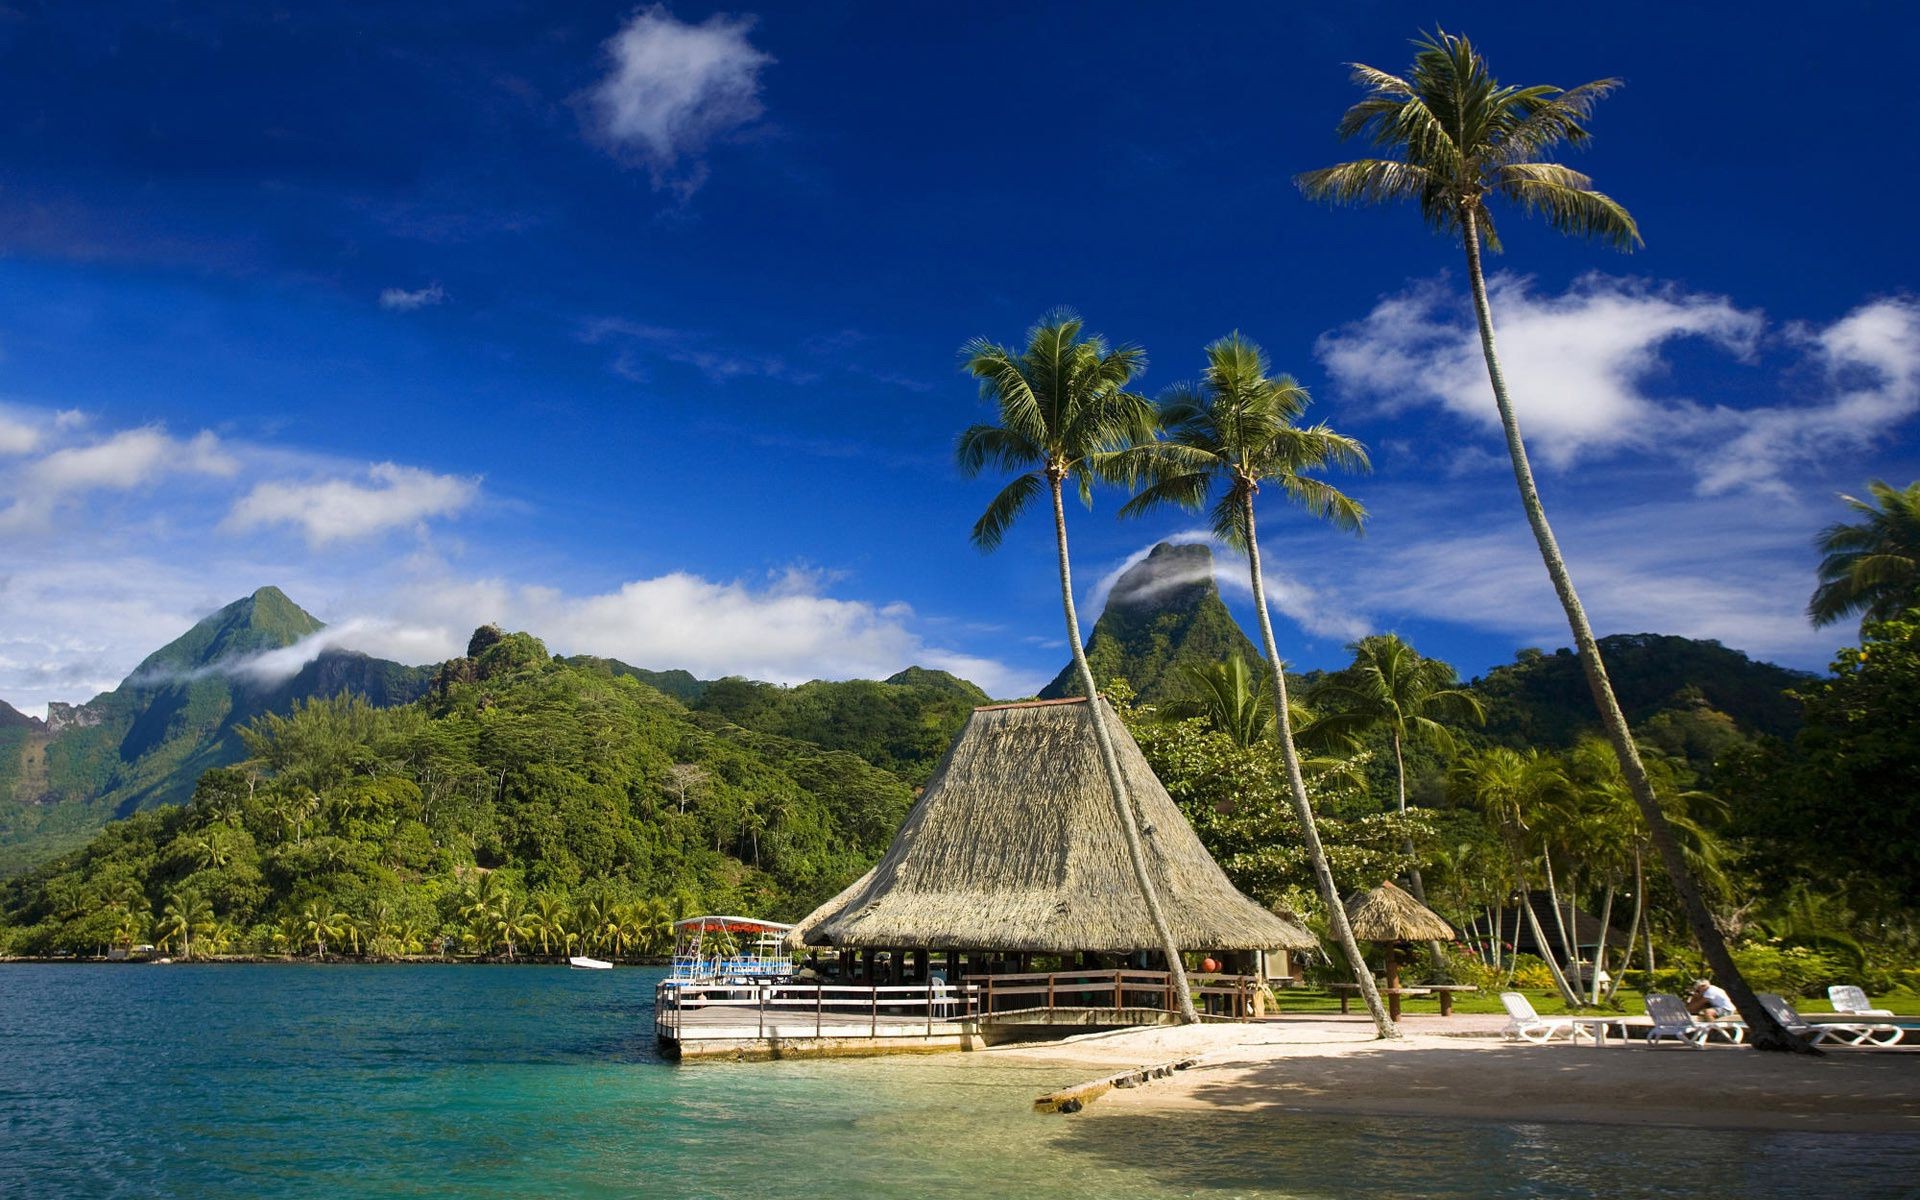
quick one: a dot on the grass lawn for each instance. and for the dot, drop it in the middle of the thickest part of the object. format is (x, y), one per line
(1631, 1003)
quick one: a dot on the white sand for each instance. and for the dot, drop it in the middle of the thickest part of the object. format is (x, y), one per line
(1336, 1066)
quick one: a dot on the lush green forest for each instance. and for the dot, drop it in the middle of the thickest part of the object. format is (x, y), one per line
(521, 800)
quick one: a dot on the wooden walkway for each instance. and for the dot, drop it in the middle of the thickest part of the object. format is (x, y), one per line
(780, 1020)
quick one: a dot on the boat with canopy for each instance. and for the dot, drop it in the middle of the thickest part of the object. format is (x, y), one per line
(730, 950)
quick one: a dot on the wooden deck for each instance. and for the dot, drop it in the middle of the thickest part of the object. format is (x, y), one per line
(781, 1020)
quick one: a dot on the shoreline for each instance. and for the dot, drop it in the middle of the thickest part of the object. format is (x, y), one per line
(1337, 1068)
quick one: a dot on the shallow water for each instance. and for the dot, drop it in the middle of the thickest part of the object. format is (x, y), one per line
(296, 1081)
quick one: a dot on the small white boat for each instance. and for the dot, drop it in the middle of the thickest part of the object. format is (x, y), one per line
(581, 962)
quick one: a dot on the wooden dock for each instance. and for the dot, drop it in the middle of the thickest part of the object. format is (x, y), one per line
(787, 1020)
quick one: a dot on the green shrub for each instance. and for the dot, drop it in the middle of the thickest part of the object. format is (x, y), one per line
(1531, 974)
(1789, 970)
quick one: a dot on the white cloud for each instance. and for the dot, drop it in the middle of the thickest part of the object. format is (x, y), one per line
(1578, 365)
(403, 300)
(124, 461)
(1582, 366)
(16, 436)
(331, 510)
(1696, 567)
(673, 87)
(1869, 361)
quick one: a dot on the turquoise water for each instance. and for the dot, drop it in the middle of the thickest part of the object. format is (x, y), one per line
(296, 1081)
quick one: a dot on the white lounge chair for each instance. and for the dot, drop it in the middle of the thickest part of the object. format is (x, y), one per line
(1529, 1026)
(1853, 1000)
(1865, 1034)
(1672, 1020)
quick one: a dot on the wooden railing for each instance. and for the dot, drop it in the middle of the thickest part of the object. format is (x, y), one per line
(1118, 990)
(751, 1010)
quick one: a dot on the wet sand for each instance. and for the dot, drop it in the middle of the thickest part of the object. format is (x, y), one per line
(1459, 1068)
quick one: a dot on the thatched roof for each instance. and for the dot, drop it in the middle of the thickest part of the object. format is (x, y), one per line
(1387, 914)
(1015, 846)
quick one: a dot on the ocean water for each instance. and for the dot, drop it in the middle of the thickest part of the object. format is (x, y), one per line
(417, 1081)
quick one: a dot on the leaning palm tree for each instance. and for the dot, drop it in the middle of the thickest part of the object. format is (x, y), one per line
(1391, 687)
(1454, 139)
(320, 920)
(1237, 428)
(1065, 416)
(1872, 567)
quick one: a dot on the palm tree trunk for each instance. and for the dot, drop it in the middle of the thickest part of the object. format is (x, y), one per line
(1414, 883)
(1302, 807)
(1569, 957)
(1600, 951)
(1123, 806)
(1540, 940)
(1633, 926)
(1767, 1033)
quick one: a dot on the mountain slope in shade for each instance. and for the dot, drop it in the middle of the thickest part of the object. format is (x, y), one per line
(147, 741)
(1163, 611)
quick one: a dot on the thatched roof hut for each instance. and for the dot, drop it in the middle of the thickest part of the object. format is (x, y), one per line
(1388, 914)
(1015, 846)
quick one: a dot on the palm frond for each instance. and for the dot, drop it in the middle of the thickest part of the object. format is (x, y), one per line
(980, 446)
(1005, 508)
(1571, 208)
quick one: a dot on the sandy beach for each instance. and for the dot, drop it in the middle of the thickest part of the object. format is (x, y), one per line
(1459, 1067)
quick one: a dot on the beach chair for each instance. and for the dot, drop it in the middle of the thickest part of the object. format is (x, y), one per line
(1866, 1034)
(1529, 1026)
(1849, 999)
(1672, 1020)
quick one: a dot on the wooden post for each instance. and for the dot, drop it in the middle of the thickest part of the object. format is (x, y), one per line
(1119, 993)
(873, 1028)
(763, 989)
(1393, 982)
(1050, 981)
(819, 1006)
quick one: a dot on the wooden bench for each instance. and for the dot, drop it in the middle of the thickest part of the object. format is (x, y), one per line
(1347, 991)
(1446, 991)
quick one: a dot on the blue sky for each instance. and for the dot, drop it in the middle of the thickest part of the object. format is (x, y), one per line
(638, 327)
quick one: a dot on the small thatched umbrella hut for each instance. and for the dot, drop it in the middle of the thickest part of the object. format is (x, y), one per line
(1390, 916)
(1014, 848)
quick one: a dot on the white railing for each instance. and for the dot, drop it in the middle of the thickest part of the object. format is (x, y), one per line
(683, 1012)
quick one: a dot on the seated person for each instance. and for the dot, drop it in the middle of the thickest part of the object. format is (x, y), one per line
(1709, 1002)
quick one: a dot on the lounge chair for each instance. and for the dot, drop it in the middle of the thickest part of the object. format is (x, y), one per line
(1866, 1034)
(1849, 999)
(1530, 1026)
(1672, 1020)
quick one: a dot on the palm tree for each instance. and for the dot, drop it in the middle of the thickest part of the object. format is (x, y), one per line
(1873, 567)
(319, 920)
(1520, 795)
(1237, 428)
(1065, 414)
(512, 920)
(1391, 686)
(1454, 138)
(187, 913)
(550, 920)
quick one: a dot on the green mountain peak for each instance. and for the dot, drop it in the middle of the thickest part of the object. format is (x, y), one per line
(1164, 610)
(266, 620)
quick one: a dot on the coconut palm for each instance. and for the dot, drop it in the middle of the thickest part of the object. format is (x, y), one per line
(511, 920)
(1521, 796)
(1237, 428)
(550, 921)
(320, 920)
(1454, 139)
(1390, 686)
(1871, 567)
(1065, 416)
(187, 914)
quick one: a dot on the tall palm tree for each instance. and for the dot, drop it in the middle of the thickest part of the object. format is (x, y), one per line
(550, 919)
(1390, 686)
(511, 920)
(1453, 139)
(1237, 429)
(1871, 567)
(1065, 416)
